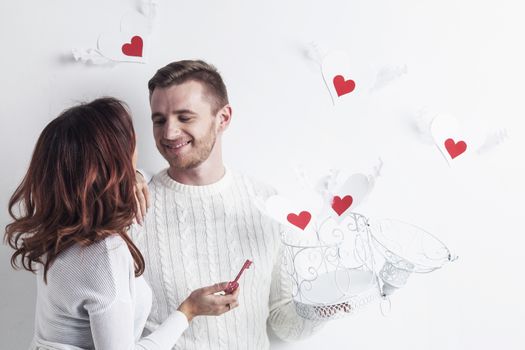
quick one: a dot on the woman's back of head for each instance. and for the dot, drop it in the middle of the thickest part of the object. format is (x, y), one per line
(79, 187)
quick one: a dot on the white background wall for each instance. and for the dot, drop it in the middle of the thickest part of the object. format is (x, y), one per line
(463, 57)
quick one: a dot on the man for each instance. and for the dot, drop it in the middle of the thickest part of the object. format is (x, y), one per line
(202, 224)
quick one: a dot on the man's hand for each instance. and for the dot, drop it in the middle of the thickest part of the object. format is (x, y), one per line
(205, 302)
(142, 197)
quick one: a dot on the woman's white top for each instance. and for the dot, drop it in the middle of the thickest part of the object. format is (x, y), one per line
(92, 300)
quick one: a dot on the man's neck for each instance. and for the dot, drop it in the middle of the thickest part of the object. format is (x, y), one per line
(199, 176)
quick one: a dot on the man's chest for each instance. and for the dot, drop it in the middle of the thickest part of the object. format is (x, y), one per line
(205, 242)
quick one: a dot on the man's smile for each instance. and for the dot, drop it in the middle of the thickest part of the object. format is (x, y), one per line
(177, 144)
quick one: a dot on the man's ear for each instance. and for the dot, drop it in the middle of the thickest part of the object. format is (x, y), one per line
(224, 115)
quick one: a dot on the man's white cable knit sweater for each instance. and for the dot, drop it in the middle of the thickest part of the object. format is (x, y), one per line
(194, 236)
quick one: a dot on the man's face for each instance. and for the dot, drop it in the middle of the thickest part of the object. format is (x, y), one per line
(184, 128)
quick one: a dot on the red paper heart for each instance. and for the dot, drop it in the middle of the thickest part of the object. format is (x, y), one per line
(134, 48)
(455, 148)
(300, 220)
(343, 86)
(340, 205)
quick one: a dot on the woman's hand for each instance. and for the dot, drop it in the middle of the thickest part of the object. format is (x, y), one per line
(142, 197)
(204, 301)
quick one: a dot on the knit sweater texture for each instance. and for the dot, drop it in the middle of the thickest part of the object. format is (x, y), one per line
(92, 300)
(195, 236)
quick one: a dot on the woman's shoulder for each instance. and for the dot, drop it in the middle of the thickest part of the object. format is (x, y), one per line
(109, 254)
(103, 260)
(97, 252)
(92, 275)
(114, 242)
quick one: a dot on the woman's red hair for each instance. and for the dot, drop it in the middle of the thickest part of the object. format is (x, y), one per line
(79, 188)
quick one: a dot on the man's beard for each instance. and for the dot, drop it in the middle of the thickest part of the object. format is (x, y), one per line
(201, 150)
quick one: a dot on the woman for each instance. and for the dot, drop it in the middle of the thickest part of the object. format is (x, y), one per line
(73, 209)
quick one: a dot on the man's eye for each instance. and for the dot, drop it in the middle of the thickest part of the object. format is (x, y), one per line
(158, 121)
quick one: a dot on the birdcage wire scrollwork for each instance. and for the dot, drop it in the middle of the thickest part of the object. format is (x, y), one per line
(333, 274)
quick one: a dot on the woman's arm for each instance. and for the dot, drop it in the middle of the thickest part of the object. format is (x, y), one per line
(112, 304)
(141, 195)
(113, 329)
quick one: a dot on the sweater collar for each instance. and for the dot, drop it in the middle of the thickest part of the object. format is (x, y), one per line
(195, 190)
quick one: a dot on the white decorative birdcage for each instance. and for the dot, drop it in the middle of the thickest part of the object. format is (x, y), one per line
(333, 274)
(339, 260)
(406, 249)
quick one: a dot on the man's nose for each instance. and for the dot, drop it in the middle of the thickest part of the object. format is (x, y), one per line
(171, 130)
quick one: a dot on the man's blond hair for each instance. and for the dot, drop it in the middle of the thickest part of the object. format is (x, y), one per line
(180, 72)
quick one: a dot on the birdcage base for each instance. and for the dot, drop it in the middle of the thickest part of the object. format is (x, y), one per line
(315, 303)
